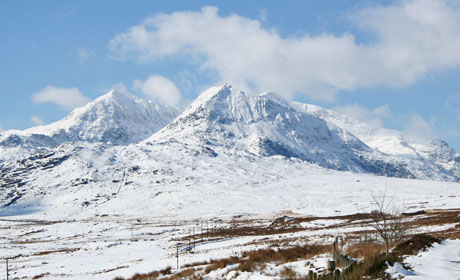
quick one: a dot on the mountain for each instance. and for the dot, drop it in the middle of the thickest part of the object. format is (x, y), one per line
(434, 154)
(114, 118)
(225, 139)
(226, 120)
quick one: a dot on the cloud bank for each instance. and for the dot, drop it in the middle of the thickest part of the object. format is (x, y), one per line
(409, 40)
(374, 117)
(65, 98)
(159, 88)
(36, 120)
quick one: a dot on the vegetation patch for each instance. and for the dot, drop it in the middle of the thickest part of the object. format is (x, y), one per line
(375, 265)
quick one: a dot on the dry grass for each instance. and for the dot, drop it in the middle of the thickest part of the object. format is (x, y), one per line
(219, 233)
(40, 276)
(184, 274)
(436, 217)
(253, 259)
(420, 242)
(364, 250)
(249, 261)
(149, 276)
(219, 264)
(66, 250)
(288, 273)
(146, 276)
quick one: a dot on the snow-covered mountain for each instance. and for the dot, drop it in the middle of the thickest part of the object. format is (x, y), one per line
(113, 118)
(226, 120)
(223, 131)
(435, 154)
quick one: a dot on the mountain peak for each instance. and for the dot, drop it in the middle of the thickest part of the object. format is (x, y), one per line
(216, 92)
(114, 95)
(114, 117)
(276, 98)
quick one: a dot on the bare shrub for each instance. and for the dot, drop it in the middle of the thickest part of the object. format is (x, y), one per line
(387, 219)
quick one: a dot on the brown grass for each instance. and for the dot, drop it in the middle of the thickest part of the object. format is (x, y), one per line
(184, 274)
(249, 261)
(40, 276)
(65, 250)
(420, 242)
(288, 273)
(218, 233)
(147, 276)
(219, 264)
(216, 265)
(365, 250)
(252, 259)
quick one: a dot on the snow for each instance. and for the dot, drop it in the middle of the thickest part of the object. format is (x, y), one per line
(398, 271)
(117, 205)
(442, 261)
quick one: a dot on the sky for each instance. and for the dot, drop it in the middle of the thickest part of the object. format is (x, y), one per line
(392, 64)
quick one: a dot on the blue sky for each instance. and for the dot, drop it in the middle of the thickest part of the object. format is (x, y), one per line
(393, 64)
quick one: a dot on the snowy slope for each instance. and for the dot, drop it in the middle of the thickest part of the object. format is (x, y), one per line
(115, 118)
(435, 154)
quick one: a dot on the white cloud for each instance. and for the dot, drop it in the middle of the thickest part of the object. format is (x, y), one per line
(1, 128)
(412, 38)
(373, 117)
(263, 16)
(120, 87)
(84, 54)
(419, 127)
(160, 88)
(36, 120)
(66, 98)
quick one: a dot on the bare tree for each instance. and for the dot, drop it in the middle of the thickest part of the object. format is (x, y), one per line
(387, 219)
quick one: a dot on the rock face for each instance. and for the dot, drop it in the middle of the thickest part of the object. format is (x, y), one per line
(113, 118)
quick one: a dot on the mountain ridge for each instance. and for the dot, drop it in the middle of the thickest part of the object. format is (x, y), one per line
(225, 120)
(115, 118)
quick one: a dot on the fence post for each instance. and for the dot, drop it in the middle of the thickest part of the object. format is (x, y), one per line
(177, 256)
(7, 274)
